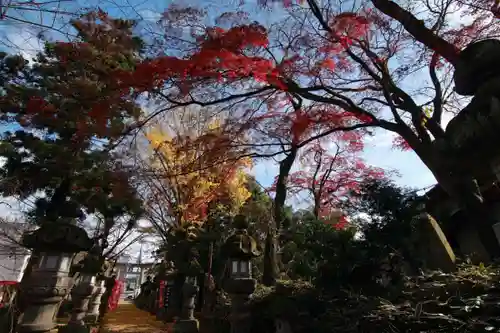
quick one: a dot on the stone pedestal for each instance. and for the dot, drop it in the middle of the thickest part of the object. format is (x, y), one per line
(163, 313)
(240, 290)
(188, 323)
(175, 300)
(95, 302)
(43, 291)
(81, 295)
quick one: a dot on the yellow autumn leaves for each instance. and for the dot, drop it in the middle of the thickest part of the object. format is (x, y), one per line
(195, 164)
(427, 114)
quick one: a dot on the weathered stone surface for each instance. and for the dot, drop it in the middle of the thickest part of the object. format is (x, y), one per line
(81, 295)
(187, 326)
(55, 244)
(240, 245)
(477, 124)
(435, 250)
(240, 286)
(240, 248)
(478, 63)
(58, 237)
(43, 291)
(187, 323)
(95, 303)
(471, 246)
(477, 73)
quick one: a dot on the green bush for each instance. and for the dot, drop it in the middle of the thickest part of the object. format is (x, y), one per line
(375, 261)
(465, 301)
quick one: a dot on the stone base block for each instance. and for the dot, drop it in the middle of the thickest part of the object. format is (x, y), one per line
(169, 316)
(78, 329)
(187, 326)
(92, 319)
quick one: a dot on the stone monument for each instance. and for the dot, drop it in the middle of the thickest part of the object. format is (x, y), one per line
(435, 250)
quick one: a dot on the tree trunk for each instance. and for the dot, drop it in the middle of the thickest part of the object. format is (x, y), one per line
(317, 205)
(281, 186)
(418, 29)
(270, 274)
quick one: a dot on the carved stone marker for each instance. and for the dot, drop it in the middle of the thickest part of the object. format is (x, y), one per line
(435, 249)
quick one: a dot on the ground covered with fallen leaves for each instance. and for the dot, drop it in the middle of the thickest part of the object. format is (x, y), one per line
(127, 318)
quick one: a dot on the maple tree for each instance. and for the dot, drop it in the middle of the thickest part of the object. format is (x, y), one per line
(354, 64)
(71, 118)
(330, 178)
(324, 68)
(190, 165)
(292, 129)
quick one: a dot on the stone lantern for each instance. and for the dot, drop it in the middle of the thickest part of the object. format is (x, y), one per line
(240, 249)
(95, 300)
(187, 322)
(81, 294)
(92, 315)
(54, 244)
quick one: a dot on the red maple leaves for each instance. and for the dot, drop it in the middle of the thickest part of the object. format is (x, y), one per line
(220, 56)
(328, 178)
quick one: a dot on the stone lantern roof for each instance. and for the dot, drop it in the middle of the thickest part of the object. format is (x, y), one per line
(241, 245)
(58, 237)
(92, 263)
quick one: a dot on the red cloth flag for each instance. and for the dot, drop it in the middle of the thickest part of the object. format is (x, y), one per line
(161, 301)
(115, 295)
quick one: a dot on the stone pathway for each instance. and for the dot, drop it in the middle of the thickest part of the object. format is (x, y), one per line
(129, 319)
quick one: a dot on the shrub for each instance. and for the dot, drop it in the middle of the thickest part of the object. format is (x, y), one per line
(465, 301)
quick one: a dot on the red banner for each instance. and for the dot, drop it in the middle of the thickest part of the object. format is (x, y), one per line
(115, 295)
(160, 294)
